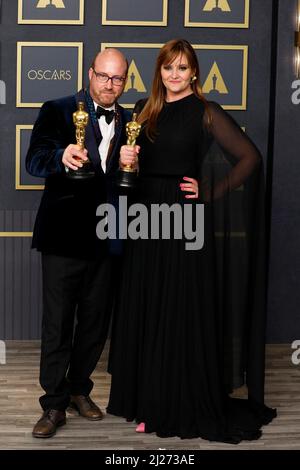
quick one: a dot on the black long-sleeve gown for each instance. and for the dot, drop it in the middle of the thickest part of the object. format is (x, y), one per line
(189, 325)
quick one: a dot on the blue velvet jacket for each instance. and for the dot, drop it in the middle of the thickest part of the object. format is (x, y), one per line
(66, 219)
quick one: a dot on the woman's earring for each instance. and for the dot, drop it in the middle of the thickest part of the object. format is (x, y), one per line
(193, 78)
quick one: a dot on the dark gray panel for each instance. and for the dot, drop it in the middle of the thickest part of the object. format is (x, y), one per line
(20, 299)
(48, 72)
(134, 10)
(229, 63)
(26, 178)
(231, 66)
(49, 10)
(212, 11)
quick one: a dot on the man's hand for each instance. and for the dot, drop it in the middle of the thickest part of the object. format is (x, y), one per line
(72, 157)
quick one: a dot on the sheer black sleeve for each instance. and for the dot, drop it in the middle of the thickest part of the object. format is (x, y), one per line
(233, 146)
(231, 183)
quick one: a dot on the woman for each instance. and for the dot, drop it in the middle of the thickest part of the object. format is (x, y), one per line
(189, 324)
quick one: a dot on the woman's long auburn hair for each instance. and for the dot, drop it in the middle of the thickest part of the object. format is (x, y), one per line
(167, 54)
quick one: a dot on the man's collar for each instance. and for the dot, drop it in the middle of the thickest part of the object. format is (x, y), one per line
(113, 107)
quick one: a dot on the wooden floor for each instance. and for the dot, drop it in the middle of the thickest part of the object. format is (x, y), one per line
(19, 409)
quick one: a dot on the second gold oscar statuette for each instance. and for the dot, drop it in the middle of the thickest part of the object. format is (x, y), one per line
(127, 176)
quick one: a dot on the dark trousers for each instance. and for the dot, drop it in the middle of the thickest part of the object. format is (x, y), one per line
(73, 288)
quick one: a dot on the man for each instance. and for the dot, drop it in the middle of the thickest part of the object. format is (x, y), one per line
(77, 267)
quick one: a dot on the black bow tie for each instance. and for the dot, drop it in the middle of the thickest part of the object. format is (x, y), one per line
(109, 115)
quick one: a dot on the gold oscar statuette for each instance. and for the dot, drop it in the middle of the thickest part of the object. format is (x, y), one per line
(127, 176)
(80, 120)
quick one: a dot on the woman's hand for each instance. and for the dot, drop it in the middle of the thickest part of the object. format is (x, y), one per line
(190, 185)
(129, 156)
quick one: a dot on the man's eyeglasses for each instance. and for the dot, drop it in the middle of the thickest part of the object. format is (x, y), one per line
(103, 78)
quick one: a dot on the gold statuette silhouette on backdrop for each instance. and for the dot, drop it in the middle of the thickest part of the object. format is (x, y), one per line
(47, 3)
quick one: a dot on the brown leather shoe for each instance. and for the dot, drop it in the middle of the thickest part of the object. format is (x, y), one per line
(48, 423)
(86, 407)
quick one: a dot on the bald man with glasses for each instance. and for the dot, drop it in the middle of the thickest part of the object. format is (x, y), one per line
(77, 267)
